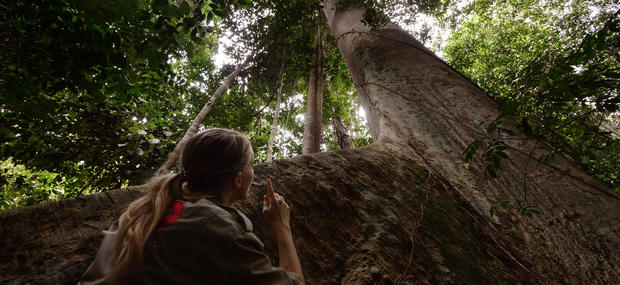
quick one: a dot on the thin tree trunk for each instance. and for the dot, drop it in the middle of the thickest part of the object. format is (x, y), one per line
(341, 133)
(314, 109)
(258, 124)
(193, 129)
(274, 125)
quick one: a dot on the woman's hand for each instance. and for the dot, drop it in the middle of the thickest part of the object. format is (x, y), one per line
(276, 212)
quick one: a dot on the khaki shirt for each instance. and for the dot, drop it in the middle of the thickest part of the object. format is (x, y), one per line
(205, 244)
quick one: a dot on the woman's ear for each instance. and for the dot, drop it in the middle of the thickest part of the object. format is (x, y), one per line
(237, 180)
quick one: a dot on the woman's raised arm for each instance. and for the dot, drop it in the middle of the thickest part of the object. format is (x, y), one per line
(276, 214)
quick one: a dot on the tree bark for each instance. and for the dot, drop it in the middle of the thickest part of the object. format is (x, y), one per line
(407, 208)
(274, 125)
(193, 128)
(414, 99)
(341, 133)
(357, 215)
(314, 108)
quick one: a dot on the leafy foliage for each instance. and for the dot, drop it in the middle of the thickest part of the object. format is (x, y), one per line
(22, 186)
(552, 65)
(95, 94)
(285, 31)
(102, 84)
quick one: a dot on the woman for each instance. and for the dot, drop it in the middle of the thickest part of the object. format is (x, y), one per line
(184, 230)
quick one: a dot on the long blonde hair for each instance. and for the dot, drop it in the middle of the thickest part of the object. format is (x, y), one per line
(209, 158)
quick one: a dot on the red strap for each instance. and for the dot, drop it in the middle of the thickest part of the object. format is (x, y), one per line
(177, 208)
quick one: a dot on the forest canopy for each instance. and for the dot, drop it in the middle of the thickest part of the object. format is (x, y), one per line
(95, 94)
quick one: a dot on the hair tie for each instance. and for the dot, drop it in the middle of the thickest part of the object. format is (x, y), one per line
(182, 178)
(183, 174)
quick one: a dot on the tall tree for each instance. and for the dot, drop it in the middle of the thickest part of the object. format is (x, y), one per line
(276, 114)
(405, 209)
(413, 99)
(341, 133)
(314, 110)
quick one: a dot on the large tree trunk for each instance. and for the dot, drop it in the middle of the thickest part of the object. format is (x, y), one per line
(406, 208)
(357, 218)
(314, 108)
(414, 99)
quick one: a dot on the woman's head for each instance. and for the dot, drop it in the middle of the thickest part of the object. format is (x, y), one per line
(216, 163)
(211, 158)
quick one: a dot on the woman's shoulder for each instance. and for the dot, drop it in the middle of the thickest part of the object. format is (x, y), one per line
(206, 217)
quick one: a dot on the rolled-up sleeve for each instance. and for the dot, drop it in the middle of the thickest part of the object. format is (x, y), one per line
(252, 260)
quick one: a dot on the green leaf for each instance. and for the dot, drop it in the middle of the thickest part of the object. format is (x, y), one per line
(471, 150)
(161, 3)
(504, 204)
(6, 132)
(491, 171)
(527, 128)
(493, 126)
(101, 31)
(495, 162)
(244, 4)
(502, 154)
(185, 8)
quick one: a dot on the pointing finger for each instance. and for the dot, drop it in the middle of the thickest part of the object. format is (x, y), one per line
(266, 203)
(270, 193)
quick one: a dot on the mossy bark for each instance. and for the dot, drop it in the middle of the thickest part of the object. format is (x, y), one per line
(413, 98)
(357, 217)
